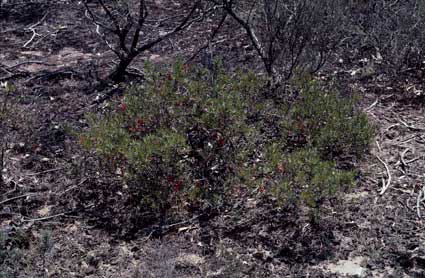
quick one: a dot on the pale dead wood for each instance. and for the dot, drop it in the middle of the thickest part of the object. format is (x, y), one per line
(419, 200)
(16, 198)
(370, 107)
(44, 172)
(385, 185)
(32, 29)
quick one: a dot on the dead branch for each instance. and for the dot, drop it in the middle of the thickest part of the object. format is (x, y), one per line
(16, 198)
(404, 164)
(372, 105)
(47, 217)
(419, 200)
(385, 185)
(44, 172)
(288, 36)
(34, 32)
(126, 29)
(211, 38)
(29, 62)
(411, 127)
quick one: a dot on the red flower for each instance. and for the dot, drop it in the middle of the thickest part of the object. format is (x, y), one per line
(140, 122)
(178, 185)
(170, 179)
(123, 107)
(169, 76)
(139, 125)
(131, 129)
(221, 142)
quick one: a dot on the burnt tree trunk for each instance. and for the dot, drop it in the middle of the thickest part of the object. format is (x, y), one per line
(119, 72)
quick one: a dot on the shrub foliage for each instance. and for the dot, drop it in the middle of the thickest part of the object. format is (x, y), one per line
(190, 136)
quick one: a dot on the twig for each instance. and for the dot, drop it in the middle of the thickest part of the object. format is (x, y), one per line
(39, 22)
(16, 198)
(29, 62)
(32, 28)
(403, 162)
(407, 140)
(385, 185)
(379, 147)
(211, 38)
(372, 105)
(72, 187)
(47, 217)
(34, 34)
(182, 222)
(411, 127)
(419, 200)
(43, 172)
(413, 160)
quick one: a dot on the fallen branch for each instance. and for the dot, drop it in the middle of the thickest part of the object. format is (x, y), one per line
(16, 198)
(403, 162)
(411, 127)
(419, 200)
(44, 172)
(56, 215)
(72, 187)
(47, 217)
(32, 28)
(372, 105)
(385, 185)
(59, 72)
(29, 62)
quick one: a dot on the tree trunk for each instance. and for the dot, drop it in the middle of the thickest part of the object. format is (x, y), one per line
(119, 72)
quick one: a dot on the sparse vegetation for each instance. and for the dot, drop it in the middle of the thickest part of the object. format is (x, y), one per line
(287, 136)
(289, 36)
(390, 32)
(125, 23)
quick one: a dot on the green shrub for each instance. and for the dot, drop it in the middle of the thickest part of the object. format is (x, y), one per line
(327, 122)
(180, 135)
(302, 177)
(190, 136)
(317, 129)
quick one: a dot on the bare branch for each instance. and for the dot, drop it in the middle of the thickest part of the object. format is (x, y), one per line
(183, 24)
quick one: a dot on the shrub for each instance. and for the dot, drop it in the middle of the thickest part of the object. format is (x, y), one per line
(319, 128)
(327, 122)
(180, 135)
(393, 31)
(189, 136)
(303, 177)
(289, 36)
